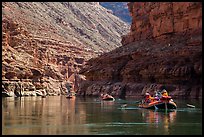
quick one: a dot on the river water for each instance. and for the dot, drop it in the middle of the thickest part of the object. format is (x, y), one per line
(57, 115)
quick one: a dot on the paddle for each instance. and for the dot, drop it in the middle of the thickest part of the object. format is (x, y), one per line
(139, 101)
(132, 102)
(190, 106)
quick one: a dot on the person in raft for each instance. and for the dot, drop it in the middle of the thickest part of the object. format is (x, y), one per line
(158, 95)
(148, 98)
(164, 92)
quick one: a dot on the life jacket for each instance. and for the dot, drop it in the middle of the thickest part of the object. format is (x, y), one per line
(148, 99)
(165, 94)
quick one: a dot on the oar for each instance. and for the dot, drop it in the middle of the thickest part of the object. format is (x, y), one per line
(191, 106)
(133, 102)
(165, 107)
(139, 101)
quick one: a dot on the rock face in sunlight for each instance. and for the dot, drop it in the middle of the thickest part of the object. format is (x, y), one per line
(163, 48)
(47, 42)
(153, 20)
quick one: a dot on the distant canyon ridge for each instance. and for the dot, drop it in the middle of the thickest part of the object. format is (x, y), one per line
(119, 9)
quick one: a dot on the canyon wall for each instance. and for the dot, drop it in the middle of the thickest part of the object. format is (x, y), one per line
(45, 44)
(162, 50)
(153, 20)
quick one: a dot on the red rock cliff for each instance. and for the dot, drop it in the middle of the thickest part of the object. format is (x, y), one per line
(164, 47)
(46, 41)
(151, 20)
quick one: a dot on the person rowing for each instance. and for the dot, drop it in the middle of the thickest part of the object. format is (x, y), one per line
(164, 92)
(148, 98)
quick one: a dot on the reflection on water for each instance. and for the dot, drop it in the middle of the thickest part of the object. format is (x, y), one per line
(107, 104)
(56, 115)
(36, 115)
(157, 118)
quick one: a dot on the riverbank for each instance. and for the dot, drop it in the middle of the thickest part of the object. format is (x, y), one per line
(121, 89)
(52, 87)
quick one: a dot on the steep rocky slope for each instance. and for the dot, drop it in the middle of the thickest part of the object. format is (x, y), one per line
(47, 42)
(163, 49)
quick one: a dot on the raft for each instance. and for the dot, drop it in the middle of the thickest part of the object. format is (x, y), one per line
(108, 98)
(70, 96)
(164, 103)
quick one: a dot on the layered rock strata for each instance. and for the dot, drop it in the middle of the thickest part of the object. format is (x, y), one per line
(162, 50)
(45, 44)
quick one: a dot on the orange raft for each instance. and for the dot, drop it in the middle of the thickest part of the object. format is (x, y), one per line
(165, 102)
